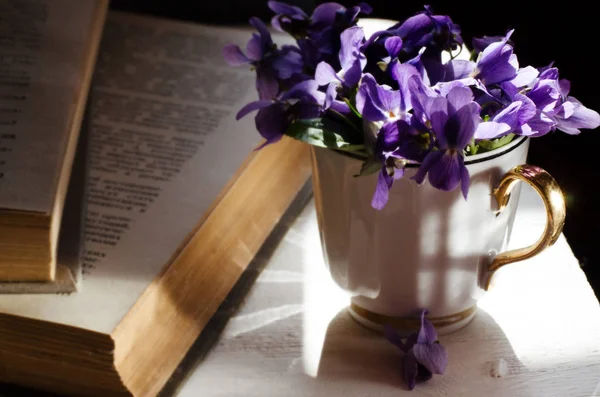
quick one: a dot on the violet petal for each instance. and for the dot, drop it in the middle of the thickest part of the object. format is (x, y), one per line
(353, 73)
(272, 122)
(402, 73)
(444, 174)
(527, 109)
(459, 97)
(307, 90)
(549, 74)
(545, 94)
(458, 69)
(491, 130)
(432, 158)
(263, 31)
(287, 10)
(254, 48)
(266, 84)
(393, 45)
(351, 39)
(538, 125)
(365, 8)
(324, 14)
(467, 119)
(393, 337)
(288, 62)
(388, 137)
(427, 333)
(581, 117)
(330, 95)
(432, 356)
(380, 197)
(341, 107)
(525, 76)
(252, 106)
(234, 56)
(324, 74)
(438, 116)
(409, 369)
(565, 87)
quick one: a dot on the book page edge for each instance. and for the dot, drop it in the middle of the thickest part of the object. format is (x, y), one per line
(75, 123)
(156, 297)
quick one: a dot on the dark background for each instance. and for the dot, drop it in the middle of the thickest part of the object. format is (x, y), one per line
(567, 35)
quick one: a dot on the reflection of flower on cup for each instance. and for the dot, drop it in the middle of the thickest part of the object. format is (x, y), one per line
(446, 133)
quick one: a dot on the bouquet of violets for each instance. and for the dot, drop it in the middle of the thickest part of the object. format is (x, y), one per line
(401, 95)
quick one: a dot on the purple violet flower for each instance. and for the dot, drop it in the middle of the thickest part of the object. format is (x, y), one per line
(481, 43)
(288, 18)
(413, 107)
(558, 110)
(381, 103)
(553, 107)
(453, 120)
(496, 63)
(393, 46)
(390, 131)
(352, 61)
(271, 64)
(426, 29)
(397, 142)
(571, 115)
(302, 101)
(423, 354)
(509, 120)
(424, 36)
(318, 36)
(329, 14)
(459, 69)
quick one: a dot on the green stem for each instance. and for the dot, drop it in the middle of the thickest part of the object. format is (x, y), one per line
(352, 108)
(474, 148)
(359, 154)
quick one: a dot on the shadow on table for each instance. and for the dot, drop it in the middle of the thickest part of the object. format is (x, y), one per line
(359, 356)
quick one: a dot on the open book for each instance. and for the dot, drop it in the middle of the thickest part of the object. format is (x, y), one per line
(178, 203)
(47, 54)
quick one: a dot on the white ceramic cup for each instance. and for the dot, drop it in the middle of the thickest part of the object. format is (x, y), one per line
(427, 249)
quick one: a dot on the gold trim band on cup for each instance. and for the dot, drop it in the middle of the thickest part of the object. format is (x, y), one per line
(412, 323)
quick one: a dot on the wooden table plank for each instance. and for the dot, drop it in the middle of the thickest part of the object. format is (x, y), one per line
(294, 337)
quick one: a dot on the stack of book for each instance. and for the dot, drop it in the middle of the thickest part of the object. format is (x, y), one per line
(131, 200)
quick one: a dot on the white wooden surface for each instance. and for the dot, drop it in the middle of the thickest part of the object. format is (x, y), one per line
(293, 336)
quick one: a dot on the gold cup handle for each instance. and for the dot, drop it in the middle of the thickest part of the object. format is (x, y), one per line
(554, 200)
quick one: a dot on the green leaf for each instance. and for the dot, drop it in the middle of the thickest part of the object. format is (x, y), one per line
(474, 148)
(382, 65)
(492, 144)
(325, 132)
(369, 167)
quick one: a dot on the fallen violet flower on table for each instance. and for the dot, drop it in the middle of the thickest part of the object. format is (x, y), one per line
(423, 354)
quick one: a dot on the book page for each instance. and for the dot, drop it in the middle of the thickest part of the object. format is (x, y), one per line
(43, 44)
(164, 143)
